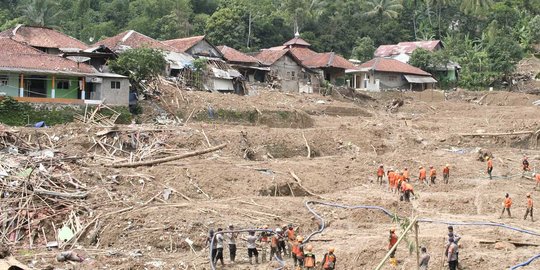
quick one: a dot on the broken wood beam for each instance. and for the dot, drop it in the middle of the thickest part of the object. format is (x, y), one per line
(299, 182)
(167, 159)
(498, 134)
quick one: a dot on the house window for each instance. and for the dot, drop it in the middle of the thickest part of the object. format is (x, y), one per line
(4, 80)
(293, 75)
(115, 85)
(62, 84)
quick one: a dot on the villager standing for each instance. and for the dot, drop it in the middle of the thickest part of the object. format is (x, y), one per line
(231, 237)
(424, 259)
(451, 254)
(219, 246)
(529, 210)
(213, 246)
(507, 204)
(252, 247)
(525, 164)
(265, 240)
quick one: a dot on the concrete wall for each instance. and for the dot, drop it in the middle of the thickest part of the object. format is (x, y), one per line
(12, 88)
(71, 92)
(103, 91)
(390, 80)
(289, 72)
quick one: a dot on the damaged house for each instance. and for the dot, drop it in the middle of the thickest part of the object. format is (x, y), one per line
(31, 75)
(249, 66)
(218, 75)
(287, 72)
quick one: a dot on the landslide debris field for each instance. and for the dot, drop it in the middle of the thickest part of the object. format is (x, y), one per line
(139, 217)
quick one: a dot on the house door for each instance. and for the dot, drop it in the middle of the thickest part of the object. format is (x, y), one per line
(35, 86)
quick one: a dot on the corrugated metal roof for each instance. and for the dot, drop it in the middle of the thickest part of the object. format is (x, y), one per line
(419, 79)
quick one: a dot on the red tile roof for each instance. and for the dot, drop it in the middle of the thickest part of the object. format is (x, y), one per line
(17, 56)
(406, 47)
(183, 44)
(233, 55)
(42, 37)
(302, 53)
(132, 40)
(269, 57)
(296, 41)
(330, 59)
(10, 46)
(392, 65)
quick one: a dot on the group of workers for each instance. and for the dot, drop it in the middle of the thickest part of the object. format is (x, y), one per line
(400, 182)
(451, 250)
(282, 242)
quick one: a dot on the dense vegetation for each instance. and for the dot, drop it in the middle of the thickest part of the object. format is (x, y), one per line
(484, 36)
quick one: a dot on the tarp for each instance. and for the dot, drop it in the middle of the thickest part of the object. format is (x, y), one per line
(419, 79)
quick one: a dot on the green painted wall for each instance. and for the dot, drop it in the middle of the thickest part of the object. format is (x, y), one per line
(64, 93)
(12, 89)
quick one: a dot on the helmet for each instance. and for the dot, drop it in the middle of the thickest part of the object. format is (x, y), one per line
(278, 229)
(309, 247)
(533, 174)
(380, 165)
(431, 166)
(488, 158)
(231, 226)
(392, 230)
(420, 167)
(447, 165)
(406, 168)
(529, 194)
(265, 226)
(332, 249)
(300, 238)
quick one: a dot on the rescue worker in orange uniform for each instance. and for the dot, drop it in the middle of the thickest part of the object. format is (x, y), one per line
(380, 174)
(407, 190)
(309, 258)
(406, 174)
(329, 260)
(297, 251)
(537, 178)
(391, 179)
(432, 174)
(274, 245)
(392, 240)
(291, 238)
(446, 173)
(422, 175)
(507, 204)
(400, 180)
(529, 207)
(489, 167)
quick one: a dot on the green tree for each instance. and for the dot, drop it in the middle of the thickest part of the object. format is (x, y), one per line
(226, 27)
(40, 13)
(504, 53)
(384, 8)
(475, 6)
(534, 26)
(364, 49)
(139, 64)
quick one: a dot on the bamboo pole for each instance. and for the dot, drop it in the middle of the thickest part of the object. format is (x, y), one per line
(395, 246)
(417, 246)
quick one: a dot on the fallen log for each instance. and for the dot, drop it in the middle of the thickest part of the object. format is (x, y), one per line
(498, 134)
(75, 195)
(167, 159)
(299, 182)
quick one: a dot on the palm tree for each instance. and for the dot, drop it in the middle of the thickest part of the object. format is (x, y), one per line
(383, 8)
(40, 12)
(475, 6)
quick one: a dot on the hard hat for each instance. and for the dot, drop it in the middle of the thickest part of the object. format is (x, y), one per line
(265, 226)
(406, 168)
(533, 174)
(309, 247)
(278, 229)
(332, 249)
(431, 166)
(447, 165)
(380, 165)
(230, 225)
(487, 158)
(300, 239)
(528, 194)
(392, 230)
(420, 167)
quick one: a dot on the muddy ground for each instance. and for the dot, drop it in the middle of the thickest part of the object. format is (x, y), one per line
(249, 183)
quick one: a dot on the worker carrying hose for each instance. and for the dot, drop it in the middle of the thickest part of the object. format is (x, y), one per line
(264, 239)
(274, 245)
(432, 174)
(309, 258)
(329, 260)
(446, 173)
(422, 175)
(529, 207)
(380, 174)
(489, 167)
(392, 240)
(297, 251)
(407, 190)
(252, 247)
(451, 254)
(291, 238)
(507, 204)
